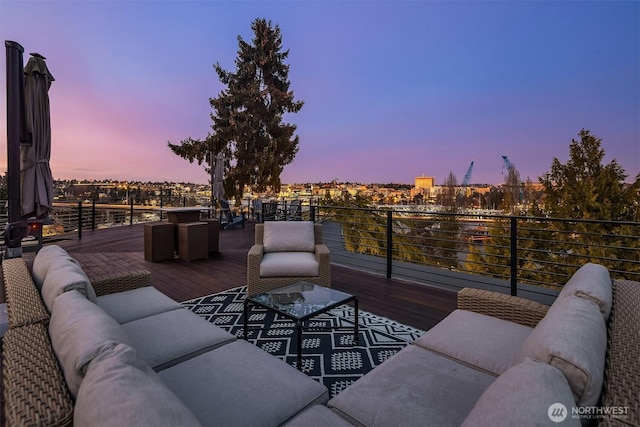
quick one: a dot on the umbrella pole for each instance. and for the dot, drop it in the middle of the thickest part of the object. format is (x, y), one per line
(16, 228)
(212, 211)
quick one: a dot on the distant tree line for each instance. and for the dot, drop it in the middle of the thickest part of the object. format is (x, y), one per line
(582, 189)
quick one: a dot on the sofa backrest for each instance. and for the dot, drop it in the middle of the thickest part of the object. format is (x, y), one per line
(592, 282)
(572, 337)
(56, 272)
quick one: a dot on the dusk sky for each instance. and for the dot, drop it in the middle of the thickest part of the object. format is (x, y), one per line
(392, 89)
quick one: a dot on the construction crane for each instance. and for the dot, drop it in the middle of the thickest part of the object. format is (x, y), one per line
(467, 176)
(507, 164)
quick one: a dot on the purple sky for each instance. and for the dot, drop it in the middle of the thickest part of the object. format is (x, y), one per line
(392, 89)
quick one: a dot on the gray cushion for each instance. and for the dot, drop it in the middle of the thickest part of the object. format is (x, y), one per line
(573, 338)
(591, 281)
(80, 330)
(164, 339)
(136, 304)
(316, 416)
(121, 390)
(282, 236)
(482, 341)
(416, 387)
(523, 396)
(289, 264)
(239, 384)
(48, 256)
(64, 278)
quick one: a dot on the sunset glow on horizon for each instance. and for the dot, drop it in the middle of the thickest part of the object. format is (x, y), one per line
(392, 89)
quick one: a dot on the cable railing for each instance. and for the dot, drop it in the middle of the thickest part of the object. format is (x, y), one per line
(515, 254)
(542, 252)
(534, 255)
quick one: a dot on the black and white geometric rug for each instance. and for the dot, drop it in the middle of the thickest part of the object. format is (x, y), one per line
(328, 352)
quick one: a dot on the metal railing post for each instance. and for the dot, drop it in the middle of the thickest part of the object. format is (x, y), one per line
(389, 244)
(312, 213)
(514, 256)
(93, 214)
(79, 220)
(131, 213)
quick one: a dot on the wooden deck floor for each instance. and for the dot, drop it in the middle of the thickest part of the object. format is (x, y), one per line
(118, 248)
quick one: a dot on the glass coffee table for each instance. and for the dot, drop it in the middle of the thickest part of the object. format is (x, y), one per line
(300, 302)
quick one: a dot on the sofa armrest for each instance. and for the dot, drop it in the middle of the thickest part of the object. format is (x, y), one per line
(621, 386)
(35, 392)
(254, 257)
(24, 304)
(502, 306)
(322, 253)
(120, 282)
(324, 263)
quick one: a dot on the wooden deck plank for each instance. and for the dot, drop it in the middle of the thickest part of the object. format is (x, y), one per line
(120, 248)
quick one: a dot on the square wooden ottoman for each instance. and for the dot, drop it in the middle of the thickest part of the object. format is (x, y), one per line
(214, 234)
(158, 241)
(193, 241)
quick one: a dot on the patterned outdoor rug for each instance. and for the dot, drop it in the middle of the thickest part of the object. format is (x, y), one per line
(328, 353)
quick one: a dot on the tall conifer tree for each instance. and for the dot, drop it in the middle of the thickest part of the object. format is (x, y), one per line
(248, 117)
(585, 188)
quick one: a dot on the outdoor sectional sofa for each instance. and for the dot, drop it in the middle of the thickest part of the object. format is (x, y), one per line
(497, 360)
(115, 351)
(504, 361)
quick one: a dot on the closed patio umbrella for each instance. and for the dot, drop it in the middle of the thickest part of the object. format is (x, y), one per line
(218, 177)
(35, 172)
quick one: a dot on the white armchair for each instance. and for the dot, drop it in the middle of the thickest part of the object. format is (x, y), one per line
(286, 253)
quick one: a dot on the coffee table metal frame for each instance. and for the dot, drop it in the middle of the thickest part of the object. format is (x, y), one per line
(343, 298)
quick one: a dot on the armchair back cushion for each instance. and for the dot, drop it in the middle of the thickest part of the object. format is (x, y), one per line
(281, 236)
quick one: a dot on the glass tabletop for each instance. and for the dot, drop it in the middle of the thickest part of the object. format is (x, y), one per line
(301, 299)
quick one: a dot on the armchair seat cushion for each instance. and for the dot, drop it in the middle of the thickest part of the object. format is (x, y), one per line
(289, 264)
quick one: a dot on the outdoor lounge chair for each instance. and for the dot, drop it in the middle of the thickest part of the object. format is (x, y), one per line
(285, 253)
(228, 217)
(269, 211)
(294, 213)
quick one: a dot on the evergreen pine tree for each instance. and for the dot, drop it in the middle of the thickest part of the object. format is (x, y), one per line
(248, 116)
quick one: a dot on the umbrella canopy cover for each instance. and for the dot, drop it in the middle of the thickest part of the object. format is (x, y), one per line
(218, 177)
(35, 172)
